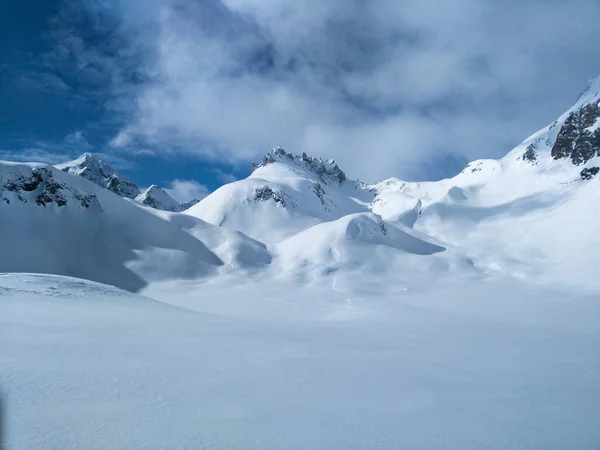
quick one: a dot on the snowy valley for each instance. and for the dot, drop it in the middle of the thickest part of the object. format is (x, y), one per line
(300, 309)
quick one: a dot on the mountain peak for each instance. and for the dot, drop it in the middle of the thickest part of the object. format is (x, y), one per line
(326, 170)
(93, 168)
(157, 198)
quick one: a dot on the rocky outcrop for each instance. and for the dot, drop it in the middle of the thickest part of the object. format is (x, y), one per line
(589, 173)
(265, 193)
(41, 187)
(579, 137)
(530, 155)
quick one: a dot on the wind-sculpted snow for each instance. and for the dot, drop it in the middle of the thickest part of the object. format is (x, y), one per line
(356, 241)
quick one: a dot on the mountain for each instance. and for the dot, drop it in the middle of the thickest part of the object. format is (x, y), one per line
(60, 223)
(496, 215)
(92, 168)
(157, 198)
(302, 215)
(97, 171)
(505, 213)
(284, 195)
(456, 314)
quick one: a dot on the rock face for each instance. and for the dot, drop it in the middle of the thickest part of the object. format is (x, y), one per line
(188, 205)
(579, 137)
(40, 187)
(157, 198)
(327, 171)
(97, 171)
(530, 154)
(589, 173)
(265, 193)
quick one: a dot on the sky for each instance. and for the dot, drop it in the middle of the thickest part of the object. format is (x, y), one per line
(186, 93)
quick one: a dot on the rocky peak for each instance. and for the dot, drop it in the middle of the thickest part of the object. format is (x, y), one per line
(39, 186)
(92, 168)
(327, 171)
(157, 198)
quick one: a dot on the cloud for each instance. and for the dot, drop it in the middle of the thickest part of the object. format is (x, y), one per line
(122, 139)
(33, 155)
(224, 177)
(43, 82)
(34, 150)
(384, 86)
(186, 190)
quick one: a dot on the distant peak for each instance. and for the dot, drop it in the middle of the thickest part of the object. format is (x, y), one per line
(326, 170)
(91, 167)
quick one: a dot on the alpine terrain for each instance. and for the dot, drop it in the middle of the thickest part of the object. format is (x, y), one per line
(300, 309)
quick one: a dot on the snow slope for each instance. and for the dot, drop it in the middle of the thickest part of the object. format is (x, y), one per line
(450, 366)
(529, 214)
(360, 242)
(55, 222)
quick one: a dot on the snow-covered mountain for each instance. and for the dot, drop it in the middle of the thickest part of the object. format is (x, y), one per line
(496, 216)
(157, 198)
(284, 195)
(56, 222)
(91, 167)
(354, 316)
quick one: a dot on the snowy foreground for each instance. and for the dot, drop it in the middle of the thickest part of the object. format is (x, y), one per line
(489, 364)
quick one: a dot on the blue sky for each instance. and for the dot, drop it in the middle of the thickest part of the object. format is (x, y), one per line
(193, 91)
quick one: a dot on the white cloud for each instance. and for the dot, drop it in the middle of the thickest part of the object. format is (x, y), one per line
(224, 177)
(122, 139)
(383, 86)
(186, 190)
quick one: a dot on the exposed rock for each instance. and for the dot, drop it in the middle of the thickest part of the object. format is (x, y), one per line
(579, 137)
(42, 188)
(188, 205)
(589, 173)
(326, 171)
(121, 186)
(265, 193)
(530, 154)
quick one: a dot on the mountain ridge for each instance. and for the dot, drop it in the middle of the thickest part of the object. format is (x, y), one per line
(297, 214)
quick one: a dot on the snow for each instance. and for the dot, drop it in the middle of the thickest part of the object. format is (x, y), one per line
(448, 365)
(114, 241)
(298, 309)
